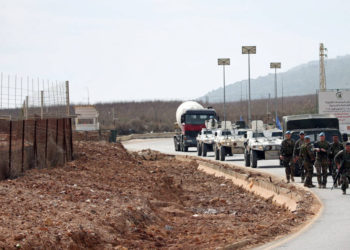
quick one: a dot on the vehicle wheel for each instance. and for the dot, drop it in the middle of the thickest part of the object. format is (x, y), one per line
(216, 153)
(222, 153)
(199, 149)
(246, 158)
(230, 153)
(204, 149)
(254, 161)
(185, 149)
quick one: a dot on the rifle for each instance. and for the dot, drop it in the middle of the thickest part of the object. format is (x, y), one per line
(341, 169)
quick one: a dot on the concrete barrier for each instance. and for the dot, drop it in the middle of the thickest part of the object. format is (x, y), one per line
(145, 136)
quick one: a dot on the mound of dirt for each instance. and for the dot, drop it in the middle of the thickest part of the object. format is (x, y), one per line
(111, 199)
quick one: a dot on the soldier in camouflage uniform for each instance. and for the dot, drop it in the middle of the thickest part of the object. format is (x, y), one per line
(286, 155)
(296, 154)
(307, 158)
(322, 161)
(334, 149)
(343, 157)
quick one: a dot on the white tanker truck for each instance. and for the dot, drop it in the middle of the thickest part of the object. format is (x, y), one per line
(190, 119)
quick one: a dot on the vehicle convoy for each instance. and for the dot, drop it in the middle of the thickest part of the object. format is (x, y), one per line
(260, 147)
(225, 143)
(312, 125)
(205, 138)
(190, 119)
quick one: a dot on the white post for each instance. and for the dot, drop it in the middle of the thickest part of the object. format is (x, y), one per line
(42, 104)
(26, 108)
(67, 99)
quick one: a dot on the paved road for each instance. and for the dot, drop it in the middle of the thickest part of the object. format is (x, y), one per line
(330, 231)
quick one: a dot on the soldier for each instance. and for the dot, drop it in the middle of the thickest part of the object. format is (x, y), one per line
(296, 153)
(335, 147)
(307, 157)
(286, 155)
(322, 161)
(343, 158)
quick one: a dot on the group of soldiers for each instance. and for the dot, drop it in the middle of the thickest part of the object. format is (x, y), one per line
(329, 158)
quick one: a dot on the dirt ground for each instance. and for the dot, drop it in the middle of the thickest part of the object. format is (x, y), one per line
(111, 199)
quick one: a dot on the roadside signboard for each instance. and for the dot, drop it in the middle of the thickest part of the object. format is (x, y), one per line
(336, 102)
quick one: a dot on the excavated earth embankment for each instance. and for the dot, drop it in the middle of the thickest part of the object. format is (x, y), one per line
(112, 199)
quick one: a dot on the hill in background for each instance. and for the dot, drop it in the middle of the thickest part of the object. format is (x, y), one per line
(301, 80)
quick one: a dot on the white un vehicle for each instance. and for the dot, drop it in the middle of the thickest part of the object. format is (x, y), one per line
(260, 147)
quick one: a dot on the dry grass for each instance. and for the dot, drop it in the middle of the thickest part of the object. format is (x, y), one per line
(159, 116)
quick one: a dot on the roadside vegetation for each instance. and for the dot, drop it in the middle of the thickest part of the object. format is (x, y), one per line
(159, 116)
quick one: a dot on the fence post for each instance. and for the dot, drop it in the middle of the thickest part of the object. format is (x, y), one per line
(42, 104)
(10, 149)
(35, 145)
(64, 140)
(26, 107)
(71, 139)
(23, 131)
(67, 99)
(46, 128)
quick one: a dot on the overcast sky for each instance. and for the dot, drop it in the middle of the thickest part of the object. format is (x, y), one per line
(162, 49)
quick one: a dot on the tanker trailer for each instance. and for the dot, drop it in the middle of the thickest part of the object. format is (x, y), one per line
(190, 119)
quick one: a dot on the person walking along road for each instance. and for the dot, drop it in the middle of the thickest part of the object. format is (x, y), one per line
(307, 158)
(335, 148)
(286, 156)
(322, 161)
(296, 153)
(342, 159)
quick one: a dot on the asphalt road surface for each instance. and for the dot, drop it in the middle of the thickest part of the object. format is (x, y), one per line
(330, 231)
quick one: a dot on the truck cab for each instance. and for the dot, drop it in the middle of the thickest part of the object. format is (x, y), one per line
(192, 122)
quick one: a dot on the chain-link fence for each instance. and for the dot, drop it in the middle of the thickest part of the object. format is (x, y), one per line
(28, 97)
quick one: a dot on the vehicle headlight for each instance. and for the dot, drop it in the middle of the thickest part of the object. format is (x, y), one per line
(268, 147)
(261, 148)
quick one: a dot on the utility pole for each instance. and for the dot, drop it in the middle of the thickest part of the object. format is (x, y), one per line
(275, 65)
(223, 62)
(249, 50)
(323, 54)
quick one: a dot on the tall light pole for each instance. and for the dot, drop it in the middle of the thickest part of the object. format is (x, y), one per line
(275, 65)
(224, 62)
(249, 50)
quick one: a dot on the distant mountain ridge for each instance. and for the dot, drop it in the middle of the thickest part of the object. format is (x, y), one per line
(300, 80)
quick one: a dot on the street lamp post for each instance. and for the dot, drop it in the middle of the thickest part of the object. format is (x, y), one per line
(275, 65)
(249, 50)
(224, 62)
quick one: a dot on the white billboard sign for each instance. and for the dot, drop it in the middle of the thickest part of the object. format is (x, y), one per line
(336, 102)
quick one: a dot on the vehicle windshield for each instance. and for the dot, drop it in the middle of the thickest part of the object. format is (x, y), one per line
(258, 135)
(276, 134)
(197, 119)
(242, 132)
(207, 132)
(226, 133)
(314, 135)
